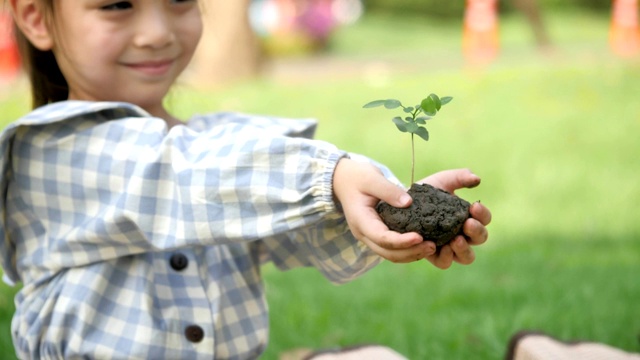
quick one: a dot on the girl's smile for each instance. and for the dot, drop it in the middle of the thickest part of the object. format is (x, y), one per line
(153, 69)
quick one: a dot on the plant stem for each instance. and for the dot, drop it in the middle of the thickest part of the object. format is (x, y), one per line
(413, 159)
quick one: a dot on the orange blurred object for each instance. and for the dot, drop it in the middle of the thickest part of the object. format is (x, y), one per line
(480, 38)
(624, 36)
(9, 57)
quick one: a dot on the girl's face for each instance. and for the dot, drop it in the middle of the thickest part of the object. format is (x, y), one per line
(128, 51)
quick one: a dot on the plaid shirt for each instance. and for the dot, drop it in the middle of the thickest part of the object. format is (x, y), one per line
(137, 241)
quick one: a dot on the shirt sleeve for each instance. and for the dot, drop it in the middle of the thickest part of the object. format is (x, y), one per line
(84, 190)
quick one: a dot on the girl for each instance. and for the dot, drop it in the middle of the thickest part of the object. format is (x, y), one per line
(137, 235)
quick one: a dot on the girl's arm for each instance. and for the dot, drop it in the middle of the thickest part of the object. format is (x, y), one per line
(345, 246)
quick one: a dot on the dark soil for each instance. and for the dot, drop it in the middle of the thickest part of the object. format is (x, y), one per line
(435, 214)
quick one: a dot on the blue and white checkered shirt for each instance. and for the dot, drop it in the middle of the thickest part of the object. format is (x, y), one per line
(136, 241)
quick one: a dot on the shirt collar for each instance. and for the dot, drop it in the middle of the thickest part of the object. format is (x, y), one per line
(62, 110)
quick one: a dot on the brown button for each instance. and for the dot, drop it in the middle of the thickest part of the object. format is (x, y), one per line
(194, 333)
(178, 261)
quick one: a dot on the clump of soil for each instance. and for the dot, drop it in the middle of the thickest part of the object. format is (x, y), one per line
(435, 214)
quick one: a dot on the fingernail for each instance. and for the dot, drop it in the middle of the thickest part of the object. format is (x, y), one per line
(405, 199)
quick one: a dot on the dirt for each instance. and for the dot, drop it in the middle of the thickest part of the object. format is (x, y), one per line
(435, 214)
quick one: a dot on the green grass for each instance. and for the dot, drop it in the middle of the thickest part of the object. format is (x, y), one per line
(571, 287)
(554, 138)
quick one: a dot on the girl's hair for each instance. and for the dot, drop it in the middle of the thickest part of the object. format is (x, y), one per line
(48, 85)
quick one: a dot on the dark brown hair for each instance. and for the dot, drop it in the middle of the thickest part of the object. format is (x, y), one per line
(48, 85)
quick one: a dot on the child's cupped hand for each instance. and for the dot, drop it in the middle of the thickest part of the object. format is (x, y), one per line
(474, 229)
(360, 186)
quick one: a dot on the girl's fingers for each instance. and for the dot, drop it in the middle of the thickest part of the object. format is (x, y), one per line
(462, 251)
(451, 180)
(480, 213)
(457, 250)
(391, 240)
(411, 254)
(366, 223)
(475, 232)
(443, 259)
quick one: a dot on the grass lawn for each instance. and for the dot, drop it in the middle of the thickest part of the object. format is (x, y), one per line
(554, 138)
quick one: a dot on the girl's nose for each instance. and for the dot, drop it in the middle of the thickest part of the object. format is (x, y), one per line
(154, 29)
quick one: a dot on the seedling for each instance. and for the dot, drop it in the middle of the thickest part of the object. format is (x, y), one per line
(416, 120)
(434, 213)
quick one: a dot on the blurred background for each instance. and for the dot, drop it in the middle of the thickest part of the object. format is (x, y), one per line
(545, 110)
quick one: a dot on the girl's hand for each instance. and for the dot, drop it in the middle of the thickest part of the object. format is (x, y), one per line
(474, 228)
(359, 187)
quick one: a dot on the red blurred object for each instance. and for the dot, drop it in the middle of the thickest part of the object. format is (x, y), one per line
(624, 35)
(480, 39)
(9, 57)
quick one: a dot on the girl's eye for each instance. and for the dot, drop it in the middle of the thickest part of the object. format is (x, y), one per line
(120, 5)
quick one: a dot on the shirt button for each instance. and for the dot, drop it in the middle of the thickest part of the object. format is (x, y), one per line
(178, 261)
(194, 333)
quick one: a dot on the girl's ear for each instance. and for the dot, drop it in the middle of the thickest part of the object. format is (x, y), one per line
(30, 18)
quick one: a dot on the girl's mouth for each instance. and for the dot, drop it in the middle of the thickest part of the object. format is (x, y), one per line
(151, 68)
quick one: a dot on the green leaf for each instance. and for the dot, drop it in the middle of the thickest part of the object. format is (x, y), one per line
(392, 104)
(428, 105)
(409, 110)
(437, 101)
(423, 133)
(400, 124)
(423, 119)
(374, 103)
(408, 119)
(445, 100)
(412, 127)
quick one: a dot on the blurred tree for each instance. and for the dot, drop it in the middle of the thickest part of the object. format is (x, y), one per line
(531, 10)
(229, 50)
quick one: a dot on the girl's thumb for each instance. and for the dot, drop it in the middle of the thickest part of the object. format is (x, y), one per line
(392, 194)
(451, 180)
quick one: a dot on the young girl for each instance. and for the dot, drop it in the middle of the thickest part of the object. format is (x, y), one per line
(137, 235)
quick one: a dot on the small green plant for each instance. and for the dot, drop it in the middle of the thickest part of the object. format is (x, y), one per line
(416, 120)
